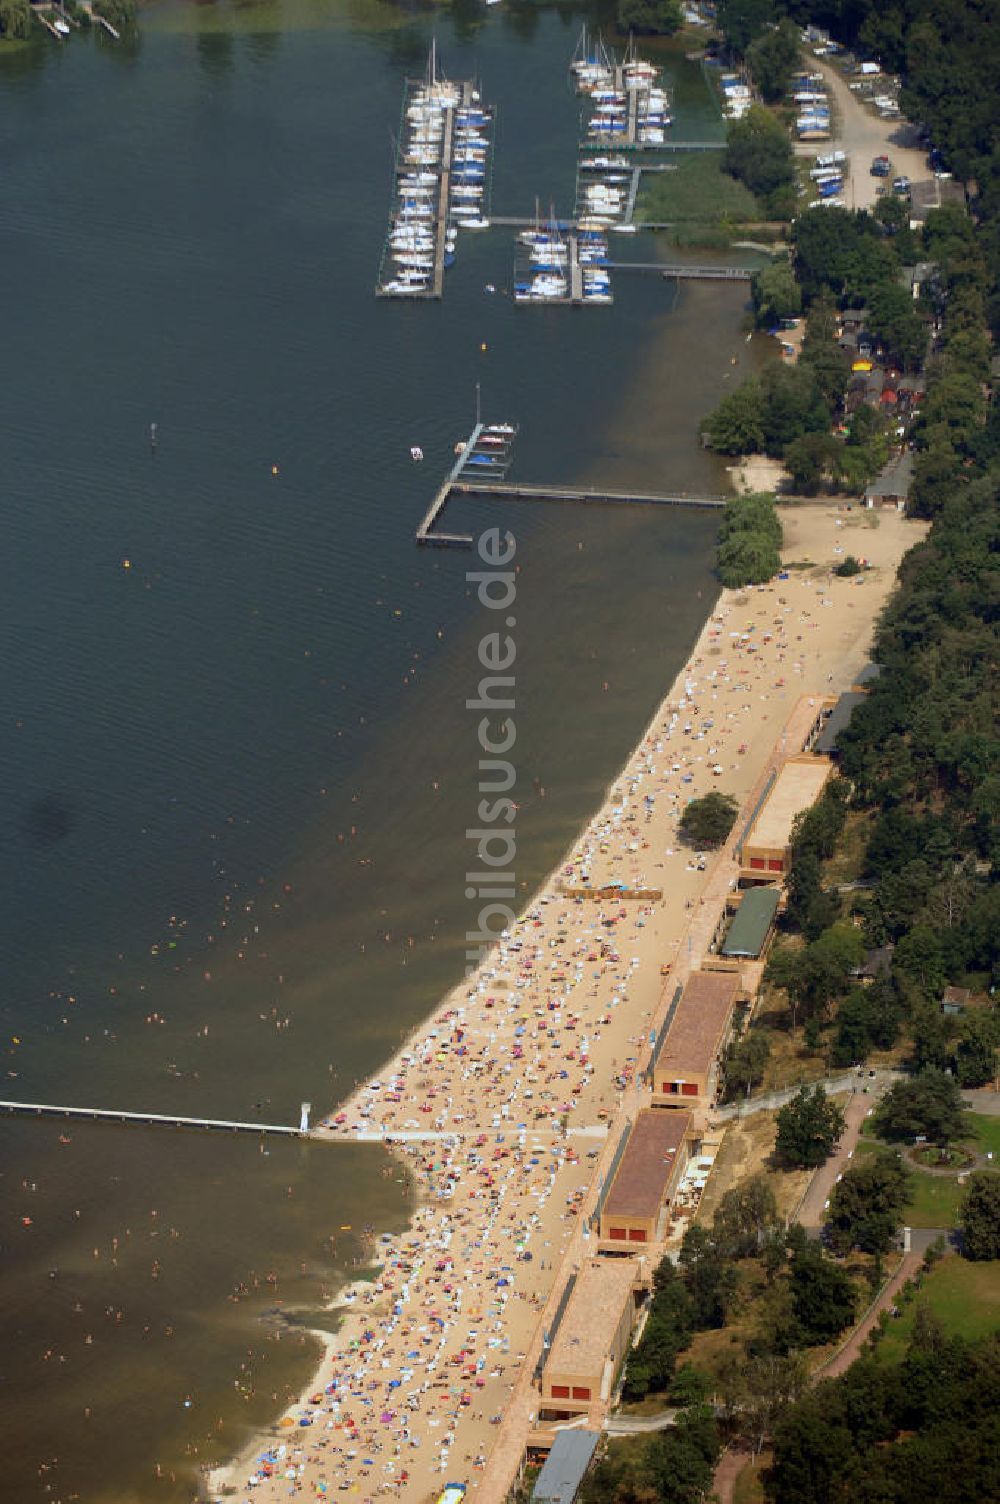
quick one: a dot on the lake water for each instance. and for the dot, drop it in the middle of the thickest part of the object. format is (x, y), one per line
(237, 769)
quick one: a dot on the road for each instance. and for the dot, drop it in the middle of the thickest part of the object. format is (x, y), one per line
(863, 135)
(984, 1101)
(811, 1208)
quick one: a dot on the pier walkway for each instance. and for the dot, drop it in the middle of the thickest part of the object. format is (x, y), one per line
(425, 533)
(153, 1119)
(686, 273)
(516, 491)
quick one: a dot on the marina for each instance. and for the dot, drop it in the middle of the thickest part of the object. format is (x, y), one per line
(440, 183)
(629, 105)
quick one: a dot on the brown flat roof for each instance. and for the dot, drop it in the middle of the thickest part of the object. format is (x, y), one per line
(796, 788)
(702, 1015)
(588, 1328)
(641, 1182)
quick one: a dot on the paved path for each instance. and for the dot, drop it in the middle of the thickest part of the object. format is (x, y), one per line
(732, 1462)
(851, 1349)
(813, 1204)
(985, 1101)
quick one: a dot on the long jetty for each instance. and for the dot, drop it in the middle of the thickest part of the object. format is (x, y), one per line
(685, 273)
(516, 491)
(154, 1119)
(444, 188)
(425, 532)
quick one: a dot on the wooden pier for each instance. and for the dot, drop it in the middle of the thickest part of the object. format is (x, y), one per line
(455, 485)
(444, 188)
(515, 491)
(149, 1119)
(443, 170)
(685, 273)
(692, 146)
(575, 272)
(425, 532)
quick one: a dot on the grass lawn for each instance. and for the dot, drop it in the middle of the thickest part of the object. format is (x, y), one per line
(987, 1132)
(699, 192)
(935, 1197)
(965, 1296)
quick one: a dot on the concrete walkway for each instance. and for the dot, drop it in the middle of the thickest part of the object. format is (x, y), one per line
(842, 1081)
(640, 1425)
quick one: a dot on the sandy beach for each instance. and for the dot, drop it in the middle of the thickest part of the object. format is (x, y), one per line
(508, 1100)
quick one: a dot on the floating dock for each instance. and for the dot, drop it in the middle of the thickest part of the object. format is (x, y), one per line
(582, 270)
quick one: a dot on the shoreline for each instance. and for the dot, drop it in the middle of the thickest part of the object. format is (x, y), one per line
(611, 1009)
(356, 1288)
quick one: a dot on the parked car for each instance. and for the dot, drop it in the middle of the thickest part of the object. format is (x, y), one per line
(881, 167)
(901, 185)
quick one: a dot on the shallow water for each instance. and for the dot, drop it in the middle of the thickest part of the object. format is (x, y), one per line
(237, 774)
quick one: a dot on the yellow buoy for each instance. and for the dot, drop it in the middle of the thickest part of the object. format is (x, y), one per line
(274, 470)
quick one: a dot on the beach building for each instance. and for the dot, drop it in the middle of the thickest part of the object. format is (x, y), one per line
(753, 924)
(765, 851)
(685, 1068)
(592, 1339)
(565, 1467)
(836, 721)
(892, 487)
(635, 1207)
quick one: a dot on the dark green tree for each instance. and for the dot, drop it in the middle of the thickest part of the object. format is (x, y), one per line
(823, 1296)
(667, 1332)
(758, 152)
(737, 424)
(976, 1051)
(741, 21)
(979, 1216)
(773, 58)
(808, 1128)
(776, 294)
(15, 19)
(928, 1105)
(709, 1279)
(866, 1205)
(744, 1064)
(707, 821)
(681, 1460)
(650, 17)
(744, 1219)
